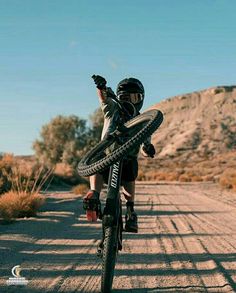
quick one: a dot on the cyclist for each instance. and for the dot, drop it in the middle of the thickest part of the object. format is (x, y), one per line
(130, 92)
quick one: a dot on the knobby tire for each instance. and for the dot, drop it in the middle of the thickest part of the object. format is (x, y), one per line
(110, 249)
(139, 128)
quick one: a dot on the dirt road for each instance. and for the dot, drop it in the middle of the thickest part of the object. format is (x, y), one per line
(186, 243)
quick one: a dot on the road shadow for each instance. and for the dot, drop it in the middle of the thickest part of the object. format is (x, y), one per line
(30, 242)
(179, 289)
(57, 237)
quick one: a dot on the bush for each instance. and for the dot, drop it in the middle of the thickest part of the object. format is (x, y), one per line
(196, 178)
(208, 178)
(16, 205)
(81, 189)
(21, 182)
(228, 179)
(6, 164)
(66, 174)
(184, 178)
(141, 176)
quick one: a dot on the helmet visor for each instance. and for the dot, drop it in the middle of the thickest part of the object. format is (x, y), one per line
(134, 98)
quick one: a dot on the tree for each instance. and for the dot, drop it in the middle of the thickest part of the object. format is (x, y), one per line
(97, 124)
(67, 139)
(94, 132)
(62, 140)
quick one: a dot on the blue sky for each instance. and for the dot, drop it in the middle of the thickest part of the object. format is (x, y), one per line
(49, 50)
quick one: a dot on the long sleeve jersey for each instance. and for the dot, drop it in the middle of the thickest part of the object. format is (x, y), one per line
(110, 111)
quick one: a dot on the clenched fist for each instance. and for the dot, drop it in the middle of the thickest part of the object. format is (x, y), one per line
(99, 81)
(149, 150)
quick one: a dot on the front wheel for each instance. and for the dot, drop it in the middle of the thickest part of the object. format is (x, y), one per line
(137, 131)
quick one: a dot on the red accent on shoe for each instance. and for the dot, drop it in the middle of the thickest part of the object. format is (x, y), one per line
(91, 216)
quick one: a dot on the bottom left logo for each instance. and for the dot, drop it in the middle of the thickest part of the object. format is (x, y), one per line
(17, 279)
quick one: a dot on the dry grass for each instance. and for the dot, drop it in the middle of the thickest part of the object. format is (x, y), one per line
(228, 179)
(21, 185)
(81, 189)
(219, 169)
(6, 164)
(16, 205)
(169, 175)
(22, 176)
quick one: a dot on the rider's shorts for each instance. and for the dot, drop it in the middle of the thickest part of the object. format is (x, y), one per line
(129, 171)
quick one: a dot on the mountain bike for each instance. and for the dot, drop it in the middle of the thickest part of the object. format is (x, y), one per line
(123, 139)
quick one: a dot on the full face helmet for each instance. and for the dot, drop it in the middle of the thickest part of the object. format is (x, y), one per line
(131, 90)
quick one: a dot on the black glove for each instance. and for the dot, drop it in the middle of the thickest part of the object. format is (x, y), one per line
(99, 81)
(149, 150)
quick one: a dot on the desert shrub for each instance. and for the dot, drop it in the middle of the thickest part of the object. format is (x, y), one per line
(158, 176)
(21, 176)
(27, 178)
(196, 178)
(184, 178)
(229, 133)
(208, 178)
(16, 205)
(192, 176)
(172, 176)
(228, 179)
(64, 173)
(81, 189)
(7, 162)
(141, 175)
(219, 90)
(21, 183)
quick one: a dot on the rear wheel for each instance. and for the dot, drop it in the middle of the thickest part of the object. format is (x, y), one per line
(110, 249)
(137, 130)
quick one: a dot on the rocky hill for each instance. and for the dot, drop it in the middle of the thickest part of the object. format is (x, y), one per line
(202, 123)
(197, 127)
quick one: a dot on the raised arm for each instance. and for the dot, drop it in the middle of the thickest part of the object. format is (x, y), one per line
(101, 87)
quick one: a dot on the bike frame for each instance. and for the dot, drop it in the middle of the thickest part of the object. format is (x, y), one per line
(112, 216)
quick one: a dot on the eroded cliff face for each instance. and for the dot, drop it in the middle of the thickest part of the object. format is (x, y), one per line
(198, 124)
(197, 139)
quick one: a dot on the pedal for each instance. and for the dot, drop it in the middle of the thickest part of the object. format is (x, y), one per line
(131, 229)
(99, 252)
(100, 249)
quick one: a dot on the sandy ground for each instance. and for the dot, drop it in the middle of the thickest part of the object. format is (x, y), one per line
(186, 243)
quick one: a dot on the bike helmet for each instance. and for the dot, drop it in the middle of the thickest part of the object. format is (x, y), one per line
(131, 90)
